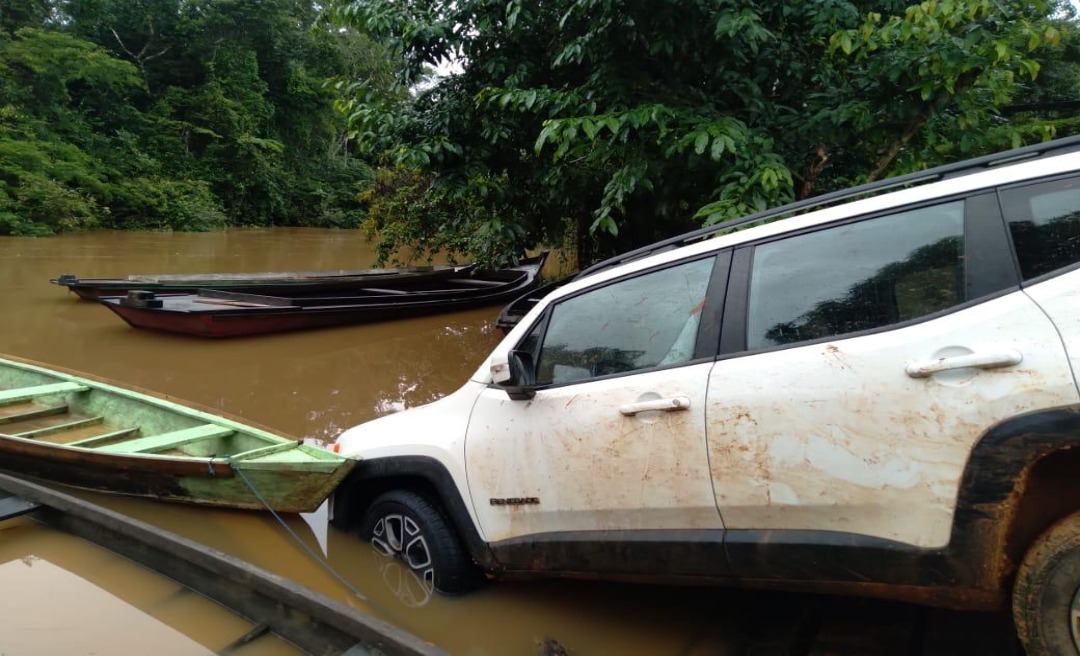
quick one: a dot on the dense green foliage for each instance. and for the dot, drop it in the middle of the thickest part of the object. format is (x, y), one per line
(603, 124)
(175, 114)
(609, 123)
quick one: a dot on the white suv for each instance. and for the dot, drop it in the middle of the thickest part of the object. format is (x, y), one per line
(875, 397)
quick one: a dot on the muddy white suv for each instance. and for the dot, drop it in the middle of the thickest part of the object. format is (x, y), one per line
(873, 396)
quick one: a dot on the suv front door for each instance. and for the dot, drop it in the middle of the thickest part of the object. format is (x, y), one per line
(586, 461)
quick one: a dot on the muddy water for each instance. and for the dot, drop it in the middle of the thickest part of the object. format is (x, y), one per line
(313, 384)
(308, 384)
(64, 596)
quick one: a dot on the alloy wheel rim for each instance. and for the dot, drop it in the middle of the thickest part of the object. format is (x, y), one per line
(399, 536)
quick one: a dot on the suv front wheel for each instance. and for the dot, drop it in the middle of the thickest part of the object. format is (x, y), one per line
(409, 527)
(1046, 595)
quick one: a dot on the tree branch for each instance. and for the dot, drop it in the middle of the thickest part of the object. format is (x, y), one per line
(122, 46)
(886, 159)
(914, 125)
(141, 58)
(809, 181)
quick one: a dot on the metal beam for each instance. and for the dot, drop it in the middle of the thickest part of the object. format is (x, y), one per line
(11, 506)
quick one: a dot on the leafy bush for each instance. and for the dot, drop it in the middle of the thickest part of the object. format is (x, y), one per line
(165, 204)
(410, 211)
(42, 206)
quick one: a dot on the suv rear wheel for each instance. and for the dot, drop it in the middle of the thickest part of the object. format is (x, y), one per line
(1046, 596)
(409, 527)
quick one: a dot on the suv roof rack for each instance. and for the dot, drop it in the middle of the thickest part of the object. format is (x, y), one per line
(1034, 151)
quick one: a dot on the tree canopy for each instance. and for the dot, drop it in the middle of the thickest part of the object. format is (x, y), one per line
(596, 124)
(610, 123)
(175, 114)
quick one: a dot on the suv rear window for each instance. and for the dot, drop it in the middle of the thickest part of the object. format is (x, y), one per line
(1044, 221)
(857, 276)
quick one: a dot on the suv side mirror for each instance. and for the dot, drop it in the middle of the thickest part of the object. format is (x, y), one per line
(522, 376)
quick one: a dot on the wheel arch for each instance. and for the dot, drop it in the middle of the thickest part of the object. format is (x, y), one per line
(1019, 480)
(423, 475)
(1049, 492)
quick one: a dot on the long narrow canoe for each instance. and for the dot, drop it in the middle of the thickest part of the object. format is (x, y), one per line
(224, 314)
(269, 282)
(520, 306)
(89, 434)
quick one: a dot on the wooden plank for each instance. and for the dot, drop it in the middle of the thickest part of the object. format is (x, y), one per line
(26, 393)
(287, 276)
(35, 412)
(242, 297)
(57, 428)
(89, 442)
(168, 440)
(480, 282)
(264, 451)
(245, 304)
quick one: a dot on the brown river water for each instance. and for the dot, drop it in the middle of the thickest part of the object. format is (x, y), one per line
(59, 595)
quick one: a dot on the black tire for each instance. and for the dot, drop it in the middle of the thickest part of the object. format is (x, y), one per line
(1046, 595)
(409, 527)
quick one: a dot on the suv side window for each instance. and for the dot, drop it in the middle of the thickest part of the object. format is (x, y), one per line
(647, 321)
(856, 276)
(1044, 221)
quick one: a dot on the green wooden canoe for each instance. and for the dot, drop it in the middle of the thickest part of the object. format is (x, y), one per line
(89, 434)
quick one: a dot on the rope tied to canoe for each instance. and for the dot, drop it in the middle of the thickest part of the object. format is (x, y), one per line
(317, 558)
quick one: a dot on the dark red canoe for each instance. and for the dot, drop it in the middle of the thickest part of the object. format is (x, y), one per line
(228, 314)
(272, 282)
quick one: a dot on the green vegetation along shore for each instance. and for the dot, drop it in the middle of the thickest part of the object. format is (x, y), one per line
(592, 125)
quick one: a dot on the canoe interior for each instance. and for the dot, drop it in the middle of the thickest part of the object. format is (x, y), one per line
(262, 282)
(276, 275)
(102, 437)
(463, 288)
(86, 416)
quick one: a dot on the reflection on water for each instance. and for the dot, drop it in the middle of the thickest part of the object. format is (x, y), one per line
(69, 597)
(310, 384)
(502, 618)
(93, 619)
(403, 582)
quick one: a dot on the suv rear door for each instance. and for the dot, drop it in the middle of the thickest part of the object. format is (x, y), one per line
(860, 362)
(1044, 227)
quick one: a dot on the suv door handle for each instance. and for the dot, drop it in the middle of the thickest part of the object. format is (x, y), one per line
(926, 368)
(663, 405)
